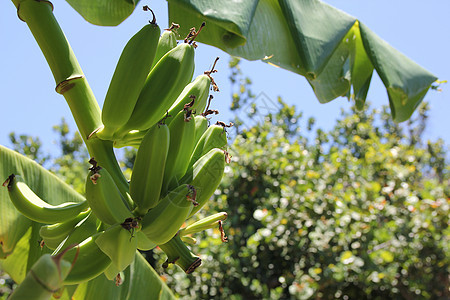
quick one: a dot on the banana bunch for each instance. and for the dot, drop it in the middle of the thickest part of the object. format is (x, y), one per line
(151, 104)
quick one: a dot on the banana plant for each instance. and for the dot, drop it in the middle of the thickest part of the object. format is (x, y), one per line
(319, 60)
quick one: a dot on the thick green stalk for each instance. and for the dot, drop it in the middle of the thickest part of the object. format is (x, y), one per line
(70, 81)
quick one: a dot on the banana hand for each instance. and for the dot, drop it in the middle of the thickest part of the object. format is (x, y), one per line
(134, 64)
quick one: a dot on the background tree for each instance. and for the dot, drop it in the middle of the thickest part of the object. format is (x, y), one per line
(359, 212)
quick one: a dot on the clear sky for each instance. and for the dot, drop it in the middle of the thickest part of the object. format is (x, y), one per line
(30, 105)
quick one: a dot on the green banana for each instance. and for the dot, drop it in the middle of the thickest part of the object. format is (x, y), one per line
(203, 224)
(82, 230)
(36, 209)
(164, 83)
(104, 197)
(90, 261)
(178, 253)
(54, 234)
(134, 64)
(213, 137)
(143, 243)
(205, 176)
(201, 124)
(188, 240)
(45, 278)
(119, 244)
(132, 138)
(182, 136)
(148, 171)
(167, 41)
(198, 90)
(162, 222)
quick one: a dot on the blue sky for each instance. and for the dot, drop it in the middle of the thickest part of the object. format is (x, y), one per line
(30, 105)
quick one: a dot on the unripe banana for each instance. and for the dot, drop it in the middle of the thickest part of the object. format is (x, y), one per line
(134, 64)
(179, 254)
(45, 277)
(36, 209)
(203, 224)
(205, 176)
(132, 138)
(164, 83)
(104, 197)
(54, 234)
(90, 261)
(148, 170)
(120, 244)
(188, 240)
(143, 243)
(82, 230)
(213, 137)
(182, 136)
(198, 90)
(162, 222)
(201, 124)
(167, 41)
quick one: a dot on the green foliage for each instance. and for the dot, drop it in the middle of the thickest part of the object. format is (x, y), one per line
(358, 212)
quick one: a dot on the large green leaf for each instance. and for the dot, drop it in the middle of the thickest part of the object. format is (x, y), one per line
(333, 50)
(19, 237)
(13, 225)
(104, 12)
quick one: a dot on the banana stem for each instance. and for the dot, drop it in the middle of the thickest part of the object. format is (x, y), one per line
(178, 253)
(70, 80)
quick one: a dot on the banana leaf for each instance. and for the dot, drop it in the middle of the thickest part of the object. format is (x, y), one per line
(104, 12)
(20, 240)
(333, 50)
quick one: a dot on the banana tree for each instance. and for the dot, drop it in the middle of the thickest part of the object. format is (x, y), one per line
(337, 58)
